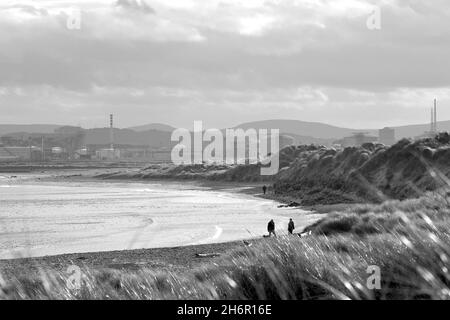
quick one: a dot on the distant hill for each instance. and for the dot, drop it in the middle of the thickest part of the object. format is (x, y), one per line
(158, 134)
(301, 128)
(153, 126)
(301, 140)
(30, 128)
(317, 132)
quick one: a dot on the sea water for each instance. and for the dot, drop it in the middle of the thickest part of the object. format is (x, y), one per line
(46, 218)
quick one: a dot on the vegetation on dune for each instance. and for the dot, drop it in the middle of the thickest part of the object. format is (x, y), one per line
(425, 213)
(205, 172)
(370, 173)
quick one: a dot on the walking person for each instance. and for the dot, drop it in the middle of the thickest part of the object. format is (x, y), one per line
(271, 228)
(264, 189)
(291, 226)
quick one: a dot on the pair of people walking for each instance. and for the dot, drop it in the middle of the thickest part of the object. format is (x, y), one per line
(271, 227)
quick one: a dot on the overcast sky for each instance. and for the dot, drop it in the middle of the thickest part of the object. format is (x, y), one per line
(223, 62)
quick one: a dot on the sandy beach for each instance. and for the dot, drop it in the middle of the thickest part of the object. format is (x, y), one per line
(98, 220)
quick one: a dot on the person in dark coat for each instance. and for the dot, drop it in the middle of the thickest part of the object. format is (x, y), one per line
(264, 189)
(271, 228)
(291, 226)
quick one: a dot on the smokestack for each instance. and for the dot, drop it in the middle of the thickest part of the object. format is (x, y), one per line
(432, 121)
(435, 116)
(111, 131)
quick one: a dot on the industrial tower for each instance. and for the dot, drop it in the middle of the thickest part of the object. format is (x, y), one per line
(433, 127)
(111, 131)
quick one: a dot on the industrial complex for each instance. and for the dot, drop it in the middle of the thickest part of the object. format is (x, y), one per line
(387, 135)
(110, 144)
(74, 143)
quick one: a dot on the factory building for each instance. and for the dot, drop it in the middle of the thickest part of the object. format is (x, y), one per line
(386, 136)
(20, 153)
(107, 154)
(110, 153)
(356, 140)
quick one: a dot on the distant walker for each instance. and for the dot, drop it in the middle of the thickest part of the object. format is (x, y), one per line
(291, 226)
(271, 228)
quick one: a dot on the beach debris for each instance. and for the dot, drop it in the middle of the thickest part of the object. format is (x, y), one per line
(247, 243)
(125, 266)
(207, 255)
(305, 234)
(291, 204)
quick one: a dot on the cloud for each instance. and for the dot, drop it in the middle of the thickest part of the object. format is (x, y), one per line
(135, 6)
(28, 9)
(314, 60)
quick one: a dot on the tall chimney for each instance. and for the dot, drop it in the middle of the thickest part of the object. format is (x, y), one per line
(432, 121)
(111, 131)
(435, 116)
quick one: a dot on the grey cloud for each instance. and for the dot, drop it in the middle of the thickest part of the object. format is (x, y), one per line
(27, 9)
(344, 54)
(228, 72)
(135, 5)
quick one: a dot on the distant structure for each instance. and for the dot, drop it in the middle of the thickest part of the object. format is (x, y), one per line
(111, 153)
(82, 154)
(435, 128)
(356, 140)
(30, 153)
(386, 136)
(111, 130)
(433, 124)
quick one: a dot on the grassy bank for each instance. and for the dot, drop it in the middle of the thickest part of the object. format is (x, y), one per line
(407, 240)
(370, 173)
